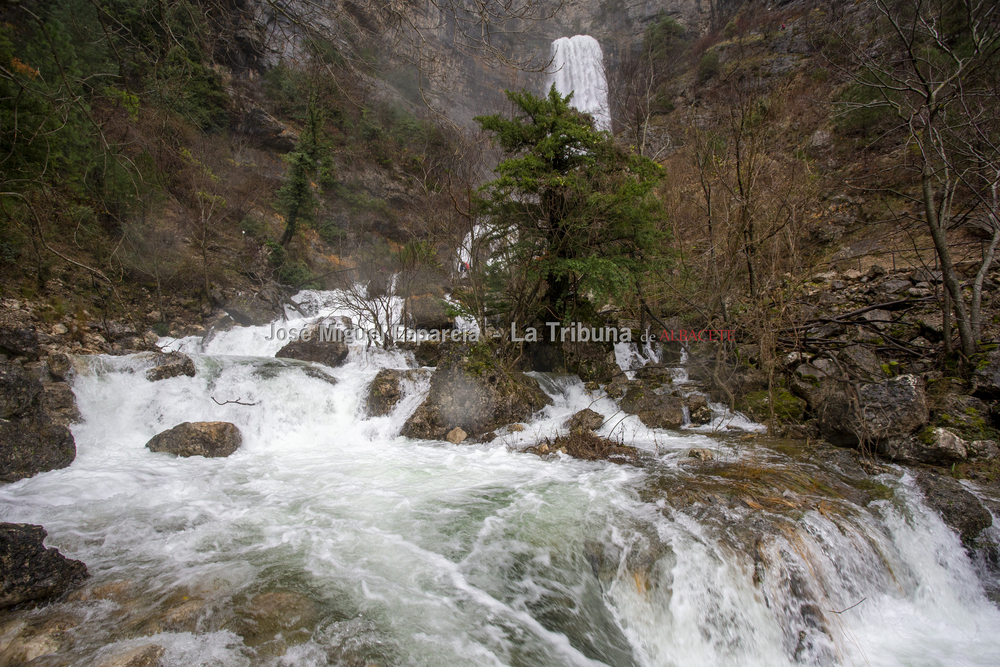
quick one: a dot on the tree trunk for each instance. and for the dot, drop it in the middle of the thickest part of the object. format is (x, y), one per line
(940, 237)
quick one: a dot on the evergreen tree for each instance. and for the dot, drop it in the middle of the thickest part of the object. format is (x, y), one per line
(578, 208)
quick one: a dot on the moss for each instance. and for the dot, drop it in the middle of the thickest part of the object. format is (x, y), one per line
(927, 436)
(787, 406)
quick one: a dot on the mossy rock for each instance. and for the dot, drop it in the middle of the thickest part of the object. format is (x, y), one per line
(787, 406)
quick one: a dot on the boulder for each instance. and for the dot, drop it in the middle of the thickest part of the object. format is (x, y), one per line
(585, 420)
(209, 439)
(386, 390)
(885, 411)
(698, 410)
(170, 365)
(328, 353)
(59, 402)
(456, 436)
(654, 410)
(30, 440)
(249, 309)
(429, 312)
(959, 509)
(29, 571)
(19, 342)
(965, 415)
(591, 361)
(471, 390)
(701, 454)
(936, 446)
(760, 404)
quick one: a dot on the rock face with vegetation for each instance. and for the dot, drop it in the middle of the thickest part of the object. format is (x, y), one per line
(31, 441)
(471, 390)
(209, 439)
(29, 572)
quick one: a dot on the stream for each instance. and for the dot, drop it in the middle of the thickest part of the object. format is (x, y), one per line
(328, 539)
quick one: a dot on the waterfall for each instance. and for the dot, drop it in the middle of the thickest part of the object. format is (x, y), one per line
(578, 68)
(426, 553)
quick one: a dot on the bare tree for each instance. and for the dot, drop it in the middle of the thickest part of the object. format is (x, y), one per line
(933, 67)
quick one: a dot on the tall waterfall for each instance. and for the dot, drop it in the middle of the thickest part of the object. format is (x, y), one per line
(578, 68)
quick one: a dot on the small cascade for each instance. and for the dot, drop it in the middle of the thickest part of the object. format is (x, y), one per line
(399, 551)
(578, 68)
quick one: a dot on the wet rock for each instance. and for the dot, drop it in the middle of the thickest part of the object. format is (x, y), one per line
(249, 309)
(30, 440)
(328, 353)
(280, 618)
(698, 410)
(19, 342)
(472, 391)
(38, 641)
(590, 361)
(654, 372)
(958, 508)
(456, 436)
(141, 656)
(584, 420)
(171, 365)
(429, 312)
(702, 454)
(30, 572)
(59, 402)
(654, 410)
(386, 389)
(209, 439)
(425, 353)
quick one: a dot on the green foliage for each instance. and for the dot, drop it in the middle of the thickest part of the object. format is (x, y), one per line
(581, 207)
(297, 274)
(709, 66)
(664, 38)
(311, 160)
(866, 112)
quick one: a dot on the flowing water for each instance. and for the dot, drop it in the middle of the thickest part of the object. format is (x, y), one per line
(578, 68)
(390, 551)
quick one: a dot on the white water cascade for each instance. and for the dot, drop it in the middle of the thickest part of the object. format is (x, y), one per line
(427, 553)
(578, 68)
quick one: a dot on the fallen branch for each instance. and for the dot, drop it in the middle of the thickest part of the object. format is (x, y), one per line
(236, 402)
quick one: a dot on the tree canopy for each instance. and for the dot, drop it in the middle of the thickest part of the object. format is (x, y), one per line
(577, 209)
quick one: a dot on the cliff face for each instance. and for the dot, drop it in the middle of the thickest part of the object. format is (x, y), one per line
(456, 75)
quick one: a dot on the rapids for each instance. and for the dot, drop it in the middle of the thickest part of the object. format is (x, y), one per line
(426, 553)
